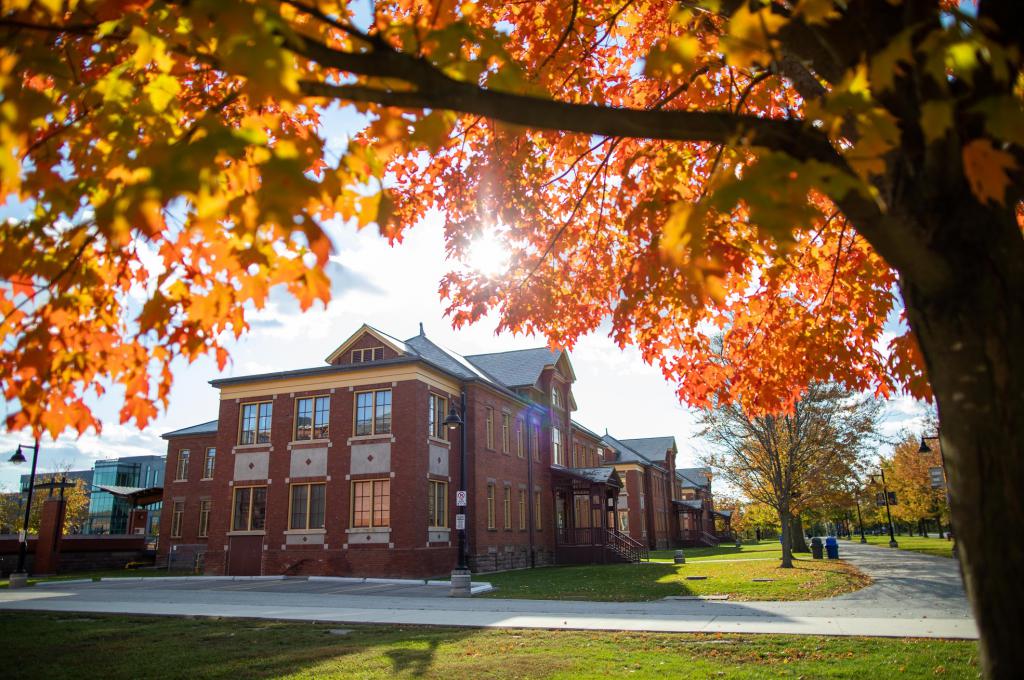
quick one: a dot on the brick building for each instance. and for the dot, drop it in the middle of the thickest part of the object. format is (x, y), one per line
(699, 522)
(348, 468)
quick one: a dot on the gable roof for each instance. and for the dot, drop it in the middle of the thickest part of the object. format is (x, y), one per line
(518, 368)
(394, 343)
(202, 428)
(651, 448)
(624, 453)
(696, 477)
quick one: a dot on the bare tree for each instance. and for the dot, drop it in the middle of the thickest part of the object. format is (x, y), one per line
(792, 460)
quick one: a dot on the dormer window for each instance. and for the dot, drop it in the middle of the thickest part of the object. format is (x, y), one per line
(556, 397)
(362, 356)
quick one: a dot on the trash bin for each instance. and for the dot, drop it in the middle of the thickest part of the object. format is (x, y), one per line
(816, 548)
(832, 548)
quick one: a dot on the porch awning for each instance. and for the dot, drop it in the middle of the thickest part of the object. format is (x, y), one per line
(724, 513)
(137, 495)
(688, 505)
(595, 475)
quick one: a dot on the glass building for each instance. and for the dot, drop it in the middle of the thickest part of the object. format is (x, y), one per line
(108, 514)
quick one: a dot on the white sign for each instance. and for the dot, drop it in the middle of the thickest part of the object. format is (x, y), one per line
(460, 522)
(21, 536)
(460, 498)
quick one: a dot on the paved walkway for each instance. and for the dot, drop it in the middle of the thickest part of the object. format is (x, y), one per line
(913, 596)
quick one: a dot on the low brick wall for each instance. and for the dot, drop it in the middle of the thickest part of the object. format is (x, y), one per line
(80, 553)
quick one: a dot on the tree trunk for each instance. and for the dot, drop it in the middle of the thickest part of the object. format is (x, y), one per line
(797, 535)
(787, 544)
(969, 323)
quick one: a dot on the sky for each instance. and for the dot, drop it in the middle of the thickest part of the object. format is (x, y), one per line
(393, 289)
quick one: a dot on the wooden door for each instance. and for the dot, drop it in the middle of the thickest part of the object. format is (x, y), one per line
(245, 555)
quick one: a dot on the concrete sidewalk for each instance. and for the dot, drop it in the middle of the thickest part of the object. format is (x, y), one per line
(918, 599)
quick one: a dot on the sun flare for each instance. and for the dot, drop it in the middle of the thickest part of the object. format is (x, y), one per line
(488, 254)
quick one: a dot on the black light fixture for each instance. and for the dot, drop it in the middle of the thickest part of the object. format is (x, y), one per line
(453, 420)
(924, 446)
(18, 456)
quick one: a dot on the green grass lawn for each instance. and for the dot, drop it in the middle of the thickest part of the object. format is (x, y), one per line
(105, 573)
(726, 551)
(110, 647)
(929, 546)
(808, 580)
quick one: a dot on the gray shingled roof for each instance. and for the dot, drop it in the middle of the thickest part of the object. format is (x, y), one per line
(202, 428)
(695, 476)
(623, 453)
(518, 368)
(696, 505)
(651, 448)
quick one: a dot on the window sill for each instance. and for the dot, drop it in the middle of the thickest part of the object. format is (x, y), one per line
(368, 530)
(438, 529)
(204, 479)
(179, 480)
(371, 437)
(306, 532)
(261, 532)
(440, 442)
(251, 447)
(311, 442)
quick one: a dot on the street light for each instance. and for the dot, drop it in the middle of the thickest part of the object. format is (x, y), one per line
(888, 513)
(19, 579)
(460, 575)
(924, 449)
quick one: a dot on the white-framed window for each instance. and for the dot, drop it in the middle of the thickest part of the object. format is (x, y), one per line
(204, 518)
(373, 412)
(254, 425)
(437, 504)
(557, 454)
(556, 397)
(362, 356)
(177, 512)
(522, 509)
(209, 462)
(312, 417)
(506, 432)
(371, 503)
(537, 523)
(249, 508)
(181, 471)
(437, 410)
(507, 508)
(491, 524)
(519, 438)
(307, 506)
(490, 427)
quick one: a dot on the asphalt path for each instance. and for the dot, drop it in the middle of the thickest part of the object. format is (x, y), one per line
(911, 595)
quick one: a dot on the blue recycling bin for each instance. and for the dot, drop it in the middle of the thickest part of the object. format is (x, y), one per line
(832, 548)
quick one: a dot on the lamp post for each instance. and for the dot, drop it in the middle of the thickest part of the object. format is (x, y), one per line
(925, 450)
(888, 513)
(460, 575)
(19, 579)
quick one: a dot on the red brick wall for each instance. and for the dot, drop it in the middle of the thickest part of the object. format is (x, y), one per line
(190, 491)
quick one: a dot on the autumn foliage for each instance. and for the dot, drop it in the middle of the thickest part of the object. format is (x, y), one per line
(173, 170)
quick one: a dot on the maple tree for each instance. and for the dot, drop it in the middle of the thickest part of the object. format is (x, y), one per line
(908, 475)
(787, 171)
(796, 461)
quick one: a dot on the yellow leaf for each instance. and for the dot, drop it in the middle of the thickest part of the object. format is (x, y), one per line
(816, 11)
(748, 41)
(162, 90)
(885, 64)
(936, 119)
(987, 170)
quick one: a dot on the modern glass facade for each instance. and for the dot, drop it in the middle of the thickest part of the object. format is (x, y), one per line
(109, 514)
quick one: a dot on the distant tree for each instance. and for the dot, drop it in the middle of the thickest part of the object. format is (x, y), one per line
(792, 461)
(908, 476)
(76, 509)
